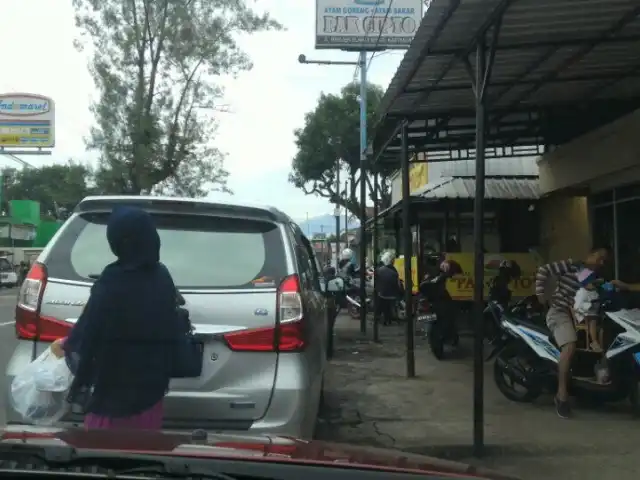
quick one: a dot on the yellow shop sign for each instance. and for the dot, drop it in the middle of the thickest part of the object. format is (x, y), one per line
(461, 286)
(418, 173)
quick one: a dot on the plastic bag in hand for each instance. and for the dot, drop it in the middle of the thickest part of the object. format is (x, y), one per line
(39, 391)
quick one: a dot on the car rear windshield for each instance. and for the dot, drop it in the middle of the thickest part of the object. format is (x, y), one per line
(199, 251)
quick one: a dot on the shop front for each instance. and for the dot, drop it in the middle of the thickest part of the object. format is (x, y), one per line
(592, 187)
(442, 196)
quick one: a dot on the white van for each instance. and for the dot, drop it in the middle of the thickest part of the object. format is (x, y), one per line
(8, 276)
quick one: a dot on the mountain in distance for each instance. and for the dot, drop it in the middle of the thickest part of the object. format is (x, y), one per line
(324, 224)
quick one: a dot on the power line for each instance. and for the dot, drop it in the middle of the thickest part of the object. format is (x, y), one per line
(384, 20)
(375, 54)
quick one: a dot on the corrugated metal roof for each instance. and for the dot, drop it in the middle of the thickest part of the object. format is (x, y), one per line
(496, 167)
(495, 188)
(548, 52)
(539, 28)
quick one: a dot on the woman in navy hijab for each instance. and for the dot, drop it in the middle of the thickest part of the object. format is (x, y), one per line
(122, 345)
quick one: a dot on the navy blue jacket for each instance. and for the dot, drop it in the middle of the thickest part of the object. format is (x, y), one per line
(121, 347)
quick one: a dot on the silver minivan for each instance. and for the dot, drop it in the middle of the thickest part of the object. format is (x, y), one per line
(253, 290)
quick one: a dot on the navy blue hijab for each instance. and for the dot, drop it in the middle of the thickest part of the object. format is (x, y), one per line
(120, 348)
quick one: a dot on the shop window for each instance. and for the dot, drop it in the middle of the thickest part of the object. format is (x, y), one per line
(601, 198)
(627, 192)
(602, 232)
(628, 233)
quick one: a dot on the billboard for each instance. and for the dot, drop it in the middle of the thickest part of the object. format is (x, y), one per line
(367, 24)
(26, 120)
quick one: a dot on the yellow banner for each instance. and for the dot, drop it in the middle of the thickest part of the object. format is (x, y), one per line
(461, 286)
(10, 140)
(418, 173)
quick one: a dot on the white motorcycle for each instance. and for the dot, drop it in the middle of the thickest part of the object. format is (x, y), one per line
(526, 356)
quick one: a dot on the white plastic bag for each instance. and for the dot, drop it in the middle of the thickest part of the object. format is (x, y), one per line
(39, 391)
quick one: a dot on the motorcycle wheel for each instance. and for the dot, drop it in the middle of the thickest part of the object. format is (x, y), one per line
(436, 339)
(529, 394)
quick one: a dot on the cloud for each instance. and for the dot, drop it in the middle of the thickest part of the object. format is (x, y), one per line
(267, 103)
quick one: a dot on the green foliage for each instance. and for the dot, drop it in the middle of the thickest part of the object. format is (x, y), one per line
(330, 133)
(154, 63)
(54, 186)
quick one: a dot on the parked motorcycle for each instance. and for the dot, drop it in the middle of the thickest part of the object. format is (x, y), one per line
(526, 355)
(499, 296)
(352, 298)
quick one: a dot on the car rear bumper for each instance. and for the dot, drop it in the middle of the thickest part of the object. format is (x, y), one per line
(292, 410)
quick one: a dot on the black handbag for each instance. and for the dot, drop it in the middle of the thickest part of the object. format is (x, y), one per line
(187, 354)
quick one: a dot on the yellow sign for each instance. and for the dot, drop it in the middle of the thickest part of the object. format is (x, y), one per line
(399, 264)
(418, 173)
(461, 286)
(9, 139)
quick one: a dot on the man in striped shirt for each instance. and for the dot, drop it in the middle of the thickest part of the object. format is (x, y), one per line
(559, 318)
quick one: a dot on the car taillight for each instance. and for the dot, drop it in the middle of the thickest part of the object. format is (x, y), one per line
(288, 336)
(30, 324)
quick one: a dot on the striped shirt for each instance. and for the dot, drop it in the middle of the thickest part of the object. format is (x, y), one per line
(566, 282)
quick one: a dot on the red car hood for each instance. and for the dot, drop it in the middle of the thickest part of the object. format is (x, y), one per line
(234, 446)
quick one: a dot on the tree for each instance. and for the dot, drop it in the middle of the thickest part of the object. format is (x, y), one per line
(331, 133)
(55, 187)
(154, 63)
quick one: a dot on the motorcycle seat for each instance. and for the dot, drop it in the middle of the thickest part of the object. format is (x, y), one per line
(535, 326)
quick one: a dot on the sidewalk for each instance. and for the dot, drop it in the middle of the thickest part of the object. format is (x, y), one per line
(371, 402)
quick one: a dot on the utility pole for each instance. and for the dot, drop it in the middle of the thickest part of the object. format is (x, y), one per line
(362, 65)
(336, 212)
(362, 62)
(346, 214)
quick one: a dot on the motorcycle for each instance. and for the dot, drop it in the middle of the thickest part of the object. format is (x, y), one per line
(436, 310)
(352, 298)
(527, 356)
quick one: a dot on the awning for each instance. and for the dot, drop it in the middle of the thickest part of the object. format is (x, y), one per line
(514, 188)
(561, 68)
(495, 189)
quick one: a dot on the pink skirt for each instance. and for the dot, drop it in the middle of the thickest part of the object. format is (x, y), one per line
(150, 419)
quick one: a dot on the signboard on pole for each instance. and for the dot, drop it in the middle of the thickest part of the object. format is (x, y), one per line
(26, 120)
(367, 24)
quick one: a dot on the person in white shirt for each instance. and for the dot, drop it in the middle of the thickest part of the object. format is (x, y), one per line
(586, 305)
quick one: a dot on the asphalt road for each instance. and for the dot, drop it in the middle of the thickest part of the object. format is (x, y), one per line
(7, 339)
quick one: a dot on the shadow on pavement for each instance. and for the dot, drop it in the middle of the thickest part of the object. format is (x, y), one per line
(369, 401)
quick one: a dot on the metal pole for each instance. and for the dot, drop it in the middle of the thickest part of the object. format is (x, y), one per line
(346, 214)
(337, 214)
(478, 252)
(376, 254)
(407, 251)
(616, 261)
(363, 189)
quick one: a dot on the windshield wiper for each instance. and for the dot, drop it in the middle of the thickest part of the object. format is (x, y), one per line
(114, 462)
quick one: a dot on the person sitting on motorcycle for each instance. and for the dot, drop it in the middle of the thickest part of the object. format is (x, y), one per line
(499, 286)
(390, 288)
(559, 318)
(587, 303)
(346, 264)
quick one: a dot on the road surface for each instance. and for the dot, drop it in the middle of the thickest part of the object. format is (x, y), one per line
(7, 338)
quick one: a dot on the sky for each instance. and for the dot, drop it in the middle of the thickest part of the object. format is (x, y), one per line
(266, 104)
